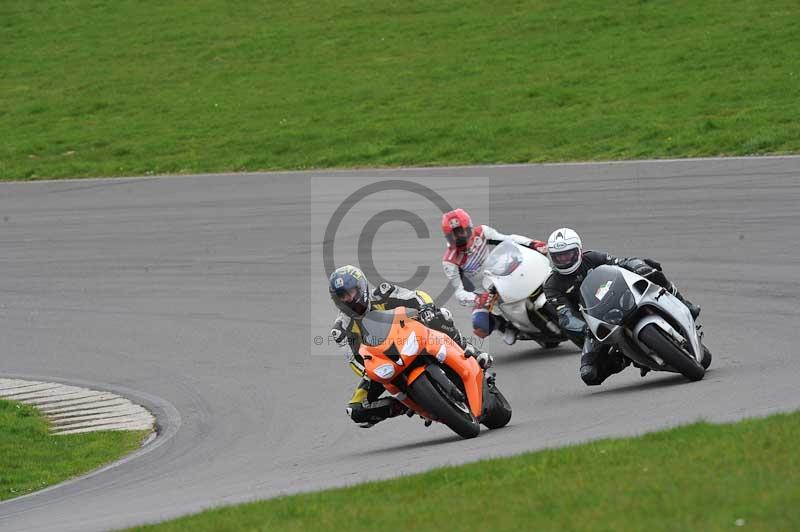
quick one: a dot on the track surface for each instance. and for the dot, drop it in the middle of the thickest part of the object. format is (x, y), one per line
(191, 291)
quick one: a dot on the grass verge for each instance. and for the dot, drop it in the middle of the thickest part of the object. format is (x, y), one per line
(94, 87)
(696, 477)
(31, 458)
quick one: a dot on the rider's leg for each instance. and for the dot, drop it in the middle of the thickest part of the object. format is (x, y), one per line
(365, 407)
(598, 361)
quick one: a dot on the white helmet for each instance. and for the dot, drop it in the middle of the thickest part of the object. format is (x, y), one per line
(565, 250)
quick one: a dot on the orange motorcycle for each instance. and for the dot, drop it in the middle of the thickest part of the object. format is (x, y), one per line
(429, 373)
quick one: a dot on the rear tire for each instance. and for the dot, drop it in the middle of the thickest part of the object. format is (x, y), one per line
(675, 357)
(706, 358)
(438, 404)
(499, 412)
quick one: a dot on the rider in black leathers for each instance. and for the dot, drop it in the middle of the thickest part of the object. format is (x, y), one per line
(562, 288)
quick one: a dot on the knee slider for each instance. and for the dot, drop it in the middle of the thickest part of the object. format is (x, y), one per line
(590, 376)
(357, 412)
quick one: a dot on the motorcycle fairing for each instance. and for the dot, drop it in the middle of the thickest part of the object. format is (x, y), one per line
(645, 294)
(404, 338)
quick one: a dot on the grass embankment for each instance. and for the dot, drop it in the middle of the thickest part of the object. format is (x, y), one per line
(91, 88)
(697, 477)
(31, 458)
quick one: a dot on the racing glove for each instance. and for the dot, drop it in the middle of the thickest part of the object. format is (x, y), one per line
(482, 300)
(574, 327)
(539, 246)
(653, 264)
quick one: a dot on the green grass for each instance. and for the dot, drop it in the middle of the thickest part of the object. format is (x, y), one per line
(697, 477)
(95, 87)
(31, 458)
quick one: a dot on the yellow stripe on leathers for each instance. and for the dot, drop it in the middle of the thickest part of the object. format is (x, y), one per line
(361, 393)
(356, 369)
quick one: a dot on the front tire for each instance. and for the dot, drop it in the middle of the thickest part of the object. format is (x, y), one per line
(443, 408)
(675, 357)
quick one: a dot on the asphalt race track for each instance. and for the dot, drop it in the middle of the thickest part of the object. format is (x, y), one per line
(191, 294)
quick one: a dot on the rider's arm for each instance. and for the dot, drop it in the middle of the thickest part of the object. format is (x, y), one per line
(596, 258)
(572, 325)
(392, 296)
(648, 268)
(641, 266)
(452, 272)
(346, 341)
(493, 236)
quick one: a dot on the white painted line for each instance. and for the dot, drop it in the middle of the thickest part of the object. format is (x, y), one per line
(101, 420)
(16, 390)
(43, 394)
(118, 426)
(11, 385)
(95, 415)
(83, 407)
(74, 410)
(4, 382)
(111, 410)
(85, 397)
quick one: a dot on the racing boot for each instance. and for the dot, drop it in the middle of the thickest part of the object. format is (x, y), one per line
(643, 370)
(510, 335)
(616, 361)
(369, 414)
(694, 310)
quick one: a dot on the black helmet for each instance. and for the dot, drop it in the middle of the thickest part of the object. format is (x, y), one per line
(349, 291)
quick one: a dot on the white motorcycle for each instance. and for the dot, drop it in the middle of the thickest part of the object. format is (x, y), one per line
(645, 322)
(514, 276)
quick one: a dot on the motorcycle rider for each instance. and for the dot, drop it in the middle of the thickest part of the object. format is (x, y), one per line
(570, 265)
(467, 250)
(354, 297)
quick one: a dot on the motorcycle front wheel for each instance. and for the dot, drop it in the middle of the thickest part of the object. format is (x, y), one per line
(675, 356)
(454, 414)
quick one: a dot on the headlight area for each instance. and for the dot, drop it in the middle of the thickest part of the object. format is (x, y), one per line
(616, 315)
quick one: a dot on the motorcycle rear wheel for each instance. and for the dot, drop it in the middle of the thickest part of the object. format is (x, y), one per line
(499, 412)
(706, 358)
(437, 403)
(674, 356)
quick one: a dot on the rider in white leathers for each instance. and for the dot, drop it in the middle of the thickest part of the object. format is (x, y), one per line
(467, 250)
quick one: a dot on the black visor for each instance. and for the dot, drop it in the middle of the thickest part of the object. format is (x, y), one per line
(459, 236)
(565, 258)
(356, 303)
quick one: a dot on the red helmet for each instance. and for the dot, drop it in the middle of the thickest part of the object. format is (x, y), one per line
(457, 228)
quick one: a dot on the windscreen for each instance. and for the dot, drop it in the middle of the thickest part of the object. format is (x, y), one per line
(375, 326)
(504, 259)
(605, 294)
